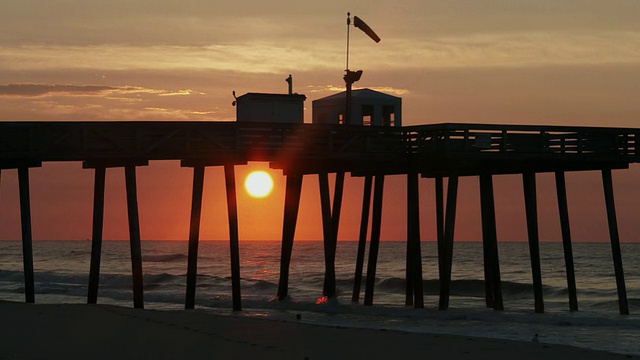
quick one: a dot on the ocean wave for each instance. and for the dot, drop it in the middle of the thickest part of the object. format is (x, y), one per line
(259, 285)
(164, 258)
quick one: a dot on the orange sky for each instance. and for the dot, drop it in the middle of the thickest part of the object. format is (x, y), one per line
(526, 62)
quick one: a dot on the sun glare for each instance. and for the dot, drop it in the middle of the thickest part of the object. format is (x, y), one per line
(258, 184)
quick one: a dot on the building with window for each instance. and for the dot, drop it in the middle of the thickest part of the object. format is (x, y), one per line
(368, 108)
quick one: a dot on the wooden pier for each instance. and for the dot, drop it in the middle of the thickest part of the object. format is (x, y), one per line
(437, 151)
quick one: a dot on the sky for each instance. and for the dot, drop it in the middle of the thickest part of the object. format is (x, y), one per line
(498, 62)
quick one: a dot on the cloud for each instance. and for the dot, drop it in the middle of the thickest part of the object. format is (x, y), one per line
(30, 90)
(110, 92)
(182, 93)
(335, 89)
(469, 51)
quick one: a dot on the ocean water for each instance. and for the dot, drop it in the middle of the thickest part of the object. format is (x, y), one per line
(62, 272)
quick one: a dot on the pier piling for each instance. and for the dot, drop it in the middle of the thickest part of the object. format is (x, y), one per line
(338, 192)
(134, 236)
(493, 283)
(376, 223)
(531, 207)
(234, 246)
(414, 254)
(291, 206)
(439, 211)
(27, 240)
(96, 234)
(615, 241)
(329, 287)
(194, 235)
(445, 247)
(563, 210)
(362, 238)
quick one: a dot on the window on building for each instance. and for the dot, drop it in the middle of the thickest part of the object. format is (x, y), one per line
(367, 115)
(388, 115)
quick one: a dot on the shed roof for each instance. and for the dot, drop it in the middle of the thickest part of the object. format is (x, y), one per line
(365, 93)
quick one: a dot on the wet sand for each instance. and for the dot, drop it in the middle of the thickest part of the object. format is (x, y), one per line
(76, 331)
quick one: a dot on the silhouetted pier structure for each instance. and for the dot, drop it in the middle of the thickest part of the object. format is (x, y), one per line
(437, 151)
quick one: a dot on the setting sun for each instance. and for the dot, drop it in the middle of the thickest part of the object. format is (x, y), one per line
(258, 184)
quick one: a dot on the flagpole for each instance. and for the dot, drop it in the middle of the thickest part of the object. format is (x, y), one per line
(348, 23)
(348, 83)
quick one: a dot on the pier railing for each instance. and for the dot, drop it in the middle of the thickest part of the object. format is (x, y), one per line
(509, 140)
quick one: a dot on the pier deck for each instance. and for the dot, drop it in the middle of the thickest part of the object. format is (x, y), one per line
(433, 150)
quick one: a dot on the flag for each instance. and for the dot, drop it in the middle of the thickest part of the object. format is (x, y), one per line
(364, 27)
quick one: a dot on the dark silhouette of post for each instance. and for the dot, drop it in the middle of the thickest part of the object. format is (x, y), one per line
(615, 241)
(362, 238)
(563, 210)
(329, 288)
(338, 192)
(376, 223)
(445, 247)
(414, 253)
(291, 206)
(27, 240)
(493, 283)
(531, 207)
(194, 235)
(134, 236)
(234, 247)
(439, 209)
(96, 235)
(329, 233)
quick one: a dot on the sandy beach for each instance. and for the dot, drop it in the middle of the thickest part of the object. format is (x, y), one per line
(76, 331)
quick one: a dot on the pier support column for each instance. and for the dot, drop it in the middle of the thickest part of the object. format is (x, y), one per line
(27, 241)
(330, 223)
(335, 223)
(445, 247)
(376, 223)
(362, 239)
(493, 283)
(415, 294)
(563, 210)
(529, 184)
(291, 206)
(338, 191)
(439, 209)
(329, 288)
(134, 236)
(96, 235)
(194, 235)
(607, 182)
(234, 246)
